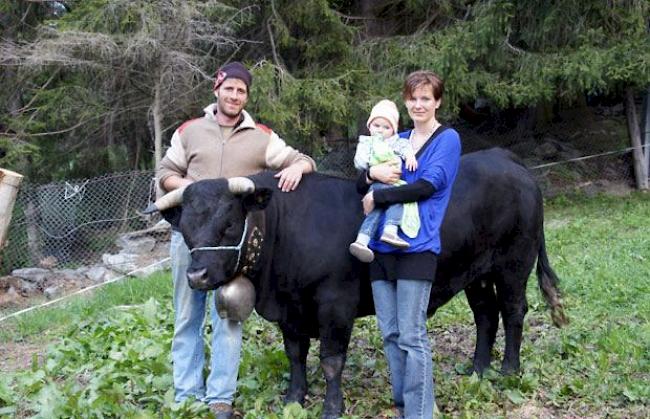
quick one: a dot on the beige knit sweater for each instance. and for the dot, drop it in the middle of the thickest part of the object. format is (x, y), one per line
(199, 150)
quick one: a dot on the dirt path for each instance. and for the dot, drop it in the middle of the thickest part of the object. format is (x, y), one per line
(18, 356)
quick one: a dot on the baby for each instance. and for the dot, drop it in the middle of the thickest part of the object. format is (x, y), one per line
(383, 146)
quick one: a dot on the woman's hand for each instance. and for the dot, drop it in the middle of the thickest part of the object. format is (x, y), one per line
(385, 173)
(368, 203)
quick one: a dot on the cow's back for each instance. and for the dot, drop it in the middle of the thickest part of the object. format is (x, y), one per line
(311, 229)
(495, 206)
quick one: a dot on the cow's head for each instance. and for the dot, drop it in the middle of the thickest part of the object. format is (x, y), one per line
(212, 221)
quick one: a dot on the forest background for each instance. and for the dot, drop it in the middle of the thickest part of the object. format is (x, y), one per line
(95, 86)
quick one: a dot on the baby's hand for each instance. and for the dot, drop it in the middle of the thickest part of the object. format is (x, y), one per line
(411, 163)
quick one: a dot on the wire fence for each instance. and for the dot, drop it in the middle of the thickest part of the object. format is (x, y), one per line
(73, 223)
(76, 223)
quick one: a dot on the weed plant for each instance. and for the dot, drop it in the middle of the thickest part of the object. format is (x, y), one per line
(113, 357)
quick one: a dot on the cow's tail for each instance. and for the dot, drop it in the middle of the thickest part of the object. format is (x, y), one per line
(548, 284)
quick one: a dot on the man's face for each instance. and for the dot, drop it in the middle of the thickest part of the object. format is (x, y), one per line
(232, 96)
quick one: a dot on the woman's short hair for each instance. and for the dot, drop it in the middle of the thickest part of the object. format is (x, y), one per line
(422, 78)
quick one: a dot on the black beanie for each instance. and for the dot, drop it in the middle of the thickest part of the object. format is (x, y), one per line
(232, 70)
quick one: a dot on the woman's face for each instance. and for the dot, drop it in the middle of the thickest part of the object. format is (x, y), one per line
(422, 105)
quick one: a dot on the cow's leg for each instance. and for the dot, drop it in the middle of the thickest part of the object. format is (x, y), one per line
(511, 294)
(335, 327)
(332, 369)
(296, 347)
(482, 299)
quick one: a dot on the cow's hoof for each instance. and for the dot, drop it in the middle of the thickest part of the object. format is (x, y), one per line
(480, 369)
(295, 397)
(330, 412)
(509, 369)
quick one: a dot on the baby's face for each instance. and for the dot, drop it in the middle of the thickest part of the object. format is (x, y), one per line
(381, 126)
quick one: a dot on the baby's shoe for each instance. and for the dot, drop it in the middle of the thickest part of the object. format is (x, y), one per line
(362, 252)
(394, 240)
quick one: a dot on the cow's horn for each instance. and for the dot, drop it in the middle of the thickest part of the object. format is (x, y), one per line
(241, 185)
(170, 200)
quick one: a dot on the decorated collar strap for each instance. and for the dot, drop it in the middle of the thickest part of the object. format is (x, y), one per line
(238, 248)
(251, 253)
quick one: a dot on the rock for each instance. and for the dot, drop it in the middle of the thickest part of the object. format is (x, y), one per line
(136, 245)
(121, 262)
(547, 150)
(150, 269)
(99, 274)
(52, 292)
(36, 276)
(7, 282)
(70, 274)
(523, 149)
(48, 262)
(10, 298)
(27, 288)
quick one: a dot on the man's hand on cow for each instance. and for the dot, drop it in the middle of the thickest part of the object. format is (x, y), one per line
(368, 203)
(385, 173)
(176, 181)
(290, 177)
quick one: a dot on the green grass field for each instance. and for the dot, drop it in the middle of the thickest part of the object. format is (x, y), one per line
(108, 353)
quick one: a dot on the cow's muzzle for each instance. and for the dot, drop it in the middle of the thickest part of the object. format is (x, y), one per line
(198, 279)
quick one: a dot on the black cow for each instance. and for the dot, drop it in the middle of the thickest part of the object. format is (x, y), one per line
(306, 280)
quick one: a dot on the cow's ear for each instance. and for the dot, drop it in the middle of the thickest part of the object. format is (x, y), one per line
(257, 200)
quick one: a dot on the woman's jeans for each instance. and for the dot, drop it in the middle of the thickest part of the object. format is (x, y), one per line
(188, 354)
(401, 308)
(393, 214)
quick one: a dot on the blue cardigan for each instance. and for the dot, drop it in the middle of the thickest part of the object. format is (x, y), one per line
(438, 163)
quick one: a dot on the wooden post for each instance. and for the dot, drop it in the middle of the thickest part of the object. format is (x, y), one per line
(640, 168)
(645, 135)
(9, 182)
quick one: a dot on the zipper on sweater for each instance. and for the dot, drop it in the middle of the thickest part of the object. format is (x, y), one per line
(223, 148)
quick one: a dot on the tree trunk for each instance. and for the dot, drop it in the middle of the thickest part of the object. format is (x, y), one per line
(157, 126)
(373, 25)
(638, 154)
(10, 76)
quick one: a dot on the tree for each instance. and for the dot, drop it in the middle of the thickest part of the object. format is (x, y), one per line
(118, 74)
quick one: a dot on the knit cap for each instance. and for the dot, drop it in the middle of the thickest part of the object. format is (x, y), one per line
(385, 109)
(233, 70)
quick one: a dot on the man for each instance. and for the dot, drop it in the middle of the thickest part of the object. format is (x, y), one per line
(226, 142)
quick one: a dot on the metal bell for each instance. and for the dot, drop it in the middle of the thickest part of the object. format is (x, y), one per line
(236, 299)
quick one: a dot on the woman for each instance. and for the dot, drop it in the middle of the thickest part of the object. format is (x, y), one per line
(402, 278)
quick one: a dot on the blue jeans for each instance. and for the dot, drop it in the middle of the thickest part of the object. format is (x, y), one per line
(393, 214)
(188, 351)
(401, 308)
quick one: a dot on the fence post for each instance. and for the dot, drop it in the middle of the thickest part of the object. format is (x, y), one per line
(645, 135)
(9, 183)
(640, 168)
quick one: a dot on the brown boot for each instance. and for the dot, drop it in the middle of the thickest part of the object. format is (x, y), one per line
(221, 410)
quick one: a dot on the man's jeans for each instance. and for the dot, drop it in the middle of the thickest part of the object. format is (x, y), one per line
(393, 214)
(401, 308)
(188, 349)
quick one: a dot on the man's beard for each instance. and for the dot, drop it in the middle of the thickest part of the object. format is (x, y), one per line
(230, 114)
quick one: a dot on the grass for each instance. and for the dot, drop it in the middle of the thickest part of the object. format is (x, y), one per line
(55, 320)
(114, 361)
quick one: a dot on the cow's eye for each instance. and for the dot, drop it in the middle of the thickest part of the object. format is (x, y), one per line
(231, 228)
